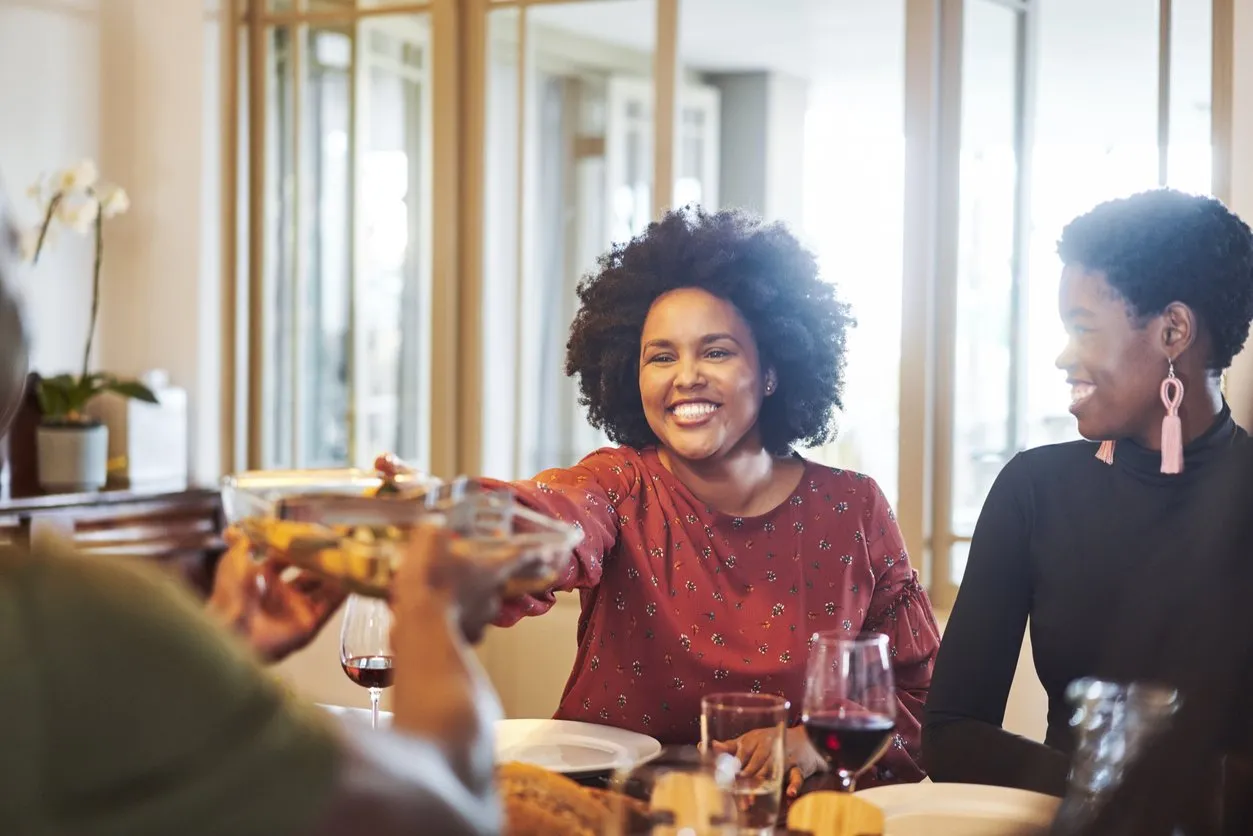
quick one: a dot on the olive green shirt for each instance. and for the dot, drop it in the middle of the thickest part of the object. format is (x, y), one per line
(124, 711)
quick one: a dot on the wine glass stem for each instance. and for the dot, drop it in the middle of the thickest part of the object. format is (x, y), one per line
(846, 781)
(375, 693)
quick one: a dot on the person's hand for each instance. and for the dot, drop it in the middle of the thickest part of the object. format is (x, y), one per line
(440, 690)
(277, 617)
(431, 573)
(754, 750)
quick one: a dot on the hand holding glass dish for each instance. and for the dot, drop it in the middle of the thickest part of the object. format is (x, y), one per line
(354, 526)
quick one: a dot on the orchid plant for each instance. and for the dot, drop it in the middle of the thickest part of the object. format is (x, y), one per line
(76, 199)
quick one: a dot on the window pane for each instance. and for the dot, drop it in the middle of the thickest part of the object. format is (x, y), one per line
(1190, 159)
(500, 246)
(279, 276)
(346, 279)
(393, 227)
(586, 149)
(326, 170)
(982, 402)
(243, 232)
(853, 215)
(1096, 139)
(811, 135)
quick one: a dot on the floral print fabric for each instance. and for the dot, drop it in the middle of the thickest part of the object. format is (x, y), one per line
(679, 600)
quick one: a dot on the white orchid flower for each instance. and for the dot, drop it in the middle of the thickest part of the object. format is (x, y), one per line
(81, 176)
(114, 201)
(79, 215)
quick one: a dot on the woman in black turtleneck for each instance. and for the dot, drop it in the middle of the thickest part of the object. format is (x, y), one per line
(1156, 279)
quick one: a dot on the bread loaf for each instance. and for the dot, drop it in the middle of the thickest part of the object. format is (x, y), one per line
(542, 803)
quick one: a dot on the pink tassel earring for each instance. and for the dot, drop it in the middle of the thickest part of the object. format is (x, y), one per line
(1172, 427)
(1106, 452)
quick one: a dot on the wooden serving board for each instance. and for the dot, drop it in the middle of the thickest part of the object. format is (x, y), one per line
(835, 814)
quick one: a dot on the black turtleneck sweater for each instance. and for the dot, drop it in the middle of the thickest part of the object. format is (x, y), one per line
(1062, 540)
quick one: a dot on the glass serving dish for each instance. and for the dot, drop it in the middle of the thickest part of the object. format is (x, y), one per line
(354, 526)
(257, 493)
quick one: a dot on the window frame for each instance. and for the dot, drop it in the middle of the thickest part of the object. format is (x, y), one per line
(458, 90)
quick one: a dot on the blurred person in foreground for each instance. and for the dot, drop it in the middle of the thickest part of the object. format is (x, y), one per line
(126, 709)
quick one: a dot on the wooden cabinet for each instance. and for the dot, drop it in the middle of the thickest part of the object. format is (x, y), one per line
(178, 529)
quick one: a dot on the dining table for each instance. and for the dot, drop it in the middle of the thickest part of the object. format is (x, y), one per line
(594, 780)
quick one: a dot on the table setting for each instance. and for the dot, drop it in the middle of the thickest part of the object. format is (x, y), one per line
(584, 779)
(565, 749)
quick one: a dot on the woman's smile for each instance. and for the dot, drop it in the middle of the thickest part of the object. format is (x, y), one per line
(693, 413)
(1080, 392)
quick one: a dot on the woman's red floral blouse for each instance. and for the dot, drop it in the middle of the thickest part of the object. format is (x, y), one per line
(680, 600)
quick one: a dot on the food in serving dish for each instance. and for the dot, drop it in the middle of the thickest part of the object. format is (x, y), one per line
(356, 529)
(359, 557)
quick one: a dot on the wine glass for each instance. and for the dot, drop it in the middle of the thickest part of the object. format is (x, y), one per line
(850, 702)
(366, 649)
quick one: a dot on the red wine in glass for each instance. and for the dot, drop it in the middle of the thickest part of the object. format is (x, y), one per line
(849, 742)
(370, 671)
(850, 701)
(365, 650)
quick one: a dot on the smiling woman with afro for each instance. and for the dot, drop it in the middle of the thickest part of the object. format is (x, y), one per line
(712, 553)
(798, 323)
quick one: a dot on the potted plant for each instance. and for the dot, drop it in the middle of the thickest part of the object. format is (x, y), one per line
(72, 446)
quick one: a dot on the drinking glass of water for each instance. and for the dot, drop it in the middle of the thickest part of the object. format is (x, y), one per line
(724, 718)
(677, 793)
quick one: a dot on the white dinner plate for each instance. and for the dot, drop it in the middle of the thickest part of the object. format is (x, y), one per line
(571, 747)
(962, 810)
(557, 745)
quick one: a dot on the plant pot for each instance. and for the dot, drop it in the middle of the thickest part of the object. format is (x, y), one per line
(72, 458)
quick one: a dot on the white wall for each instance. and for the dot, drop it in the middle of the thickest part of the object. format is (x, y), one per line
(123, 82)
(785, 142)
(762, 131)
(742, 179)
(160, 309)
(50, 117)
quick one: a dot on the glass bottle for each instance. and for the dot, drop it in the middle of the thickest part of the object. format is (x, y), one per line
(1111, 724)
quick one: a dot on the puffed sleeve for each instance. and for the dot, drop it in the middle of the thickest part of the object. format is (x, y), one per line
(900, 609)
(586, 495)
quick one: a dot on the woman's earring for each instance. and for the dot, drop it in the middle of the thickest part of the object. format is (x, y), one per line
(1106, 452)
(1172, 427)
